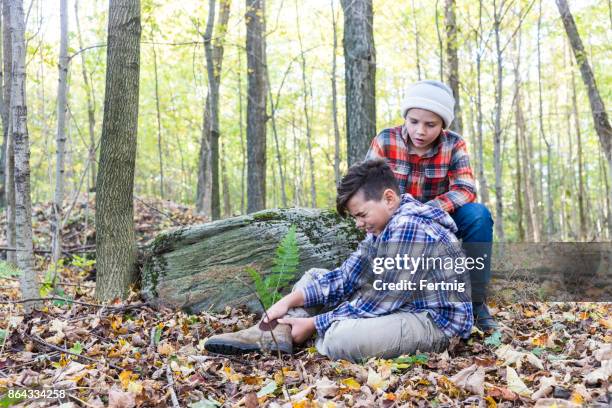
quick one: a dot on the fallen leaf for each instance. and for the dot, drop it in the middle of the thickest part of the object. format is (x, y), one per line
(351, 383)
(515, 383)
(470, 379)
(120, 399)
(554, 403)
(546, 387)
(326, 388)
(601, 374)
(375, 381)
(269, 388)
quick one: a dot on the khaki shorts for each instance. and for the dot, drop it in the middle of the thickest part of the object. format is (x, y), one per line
(386, 336)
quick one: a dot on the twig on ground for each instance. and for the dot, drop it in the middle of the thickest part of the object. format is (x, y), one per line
(109, 307)
(63, 350)
(170, 378)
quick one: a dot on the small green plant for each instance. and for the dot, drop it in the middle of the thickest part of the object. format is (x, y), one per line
(83, 263)
(8, 270)
(285, 267)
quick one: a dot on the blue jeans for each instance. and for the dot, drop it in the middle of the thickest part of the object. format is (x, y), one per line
(475, 226)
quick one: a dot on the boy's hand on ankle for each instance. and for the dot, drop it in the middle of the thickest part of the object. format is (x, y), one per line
(280, 308)
(301, 327)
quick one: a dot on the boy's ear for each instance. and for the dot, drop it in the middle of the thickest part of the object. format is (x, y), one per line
(389, 195)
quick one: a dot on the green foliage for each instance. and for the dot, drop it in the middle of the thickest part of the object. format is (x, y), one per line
(284, 269)
(83, 263)
(8, 270)
(404, 362)
(494, 339)
(77, 348)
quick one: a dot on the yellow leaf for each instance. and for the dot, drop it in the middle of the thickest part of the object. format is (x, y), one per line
(135, 387)
(351, 383)
(165, 349)
(126, 376)
(490, 402)
(389, 396)
(577, 398)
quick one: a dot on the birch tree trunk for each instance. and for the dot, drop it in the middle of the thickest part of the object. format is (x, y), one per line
(115, 242)
(598, 110)
(91, 117)
(453, 62)
(360, 77)
(58, 198)
(23, 205)
(8, 132)
(581, 190)
(417, 44)
(256, 105)
(4, 108)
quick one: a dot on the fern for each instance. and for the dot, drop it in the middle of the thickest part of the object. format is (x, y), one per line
(283, 271)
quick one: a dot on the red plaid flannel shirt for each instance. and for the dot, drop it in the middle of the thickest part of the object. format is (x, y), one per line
(442, 177)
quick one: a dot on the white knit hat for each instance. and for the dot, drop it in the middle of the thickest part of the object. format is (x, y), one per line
(433, 96)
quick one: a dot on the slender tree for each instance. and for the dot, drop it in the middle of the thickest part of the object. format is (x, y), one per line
(480, 49)
(4, 109)
(208, 197)
(305, 95)
(62, 88)
(115, 240)
(160, 153)
(497, 138)
(453, 61)
(417, 43)
(256, 105)
(598, 109)
(335, 99)
(91, 107)
(8, 133)
(360, 77)
(19, 130)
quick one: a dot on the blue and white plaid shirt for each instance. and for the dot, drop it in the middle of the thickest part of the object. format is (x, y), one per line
(414, 231)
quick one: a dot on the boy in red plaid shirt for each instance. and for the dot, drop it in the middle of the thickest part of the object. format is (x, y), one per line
(431, 163)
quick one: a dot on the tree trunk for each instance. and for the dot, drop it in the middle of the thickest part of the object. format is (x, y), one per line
(337, 175)
(305, 87)
(91, 118)
(519, 129)
(227, 205)
(4, 109)
(214, 61)
(482, 181)
(360, 77)
(159, 127)
(242, 146)
(497, 159)
(598, 110)
(453, 62)
(417, 44)
(256, 105)
(8, 132)
(58, 198)
(115, 244)
(440, 44)
(273, 106)
(23, 205)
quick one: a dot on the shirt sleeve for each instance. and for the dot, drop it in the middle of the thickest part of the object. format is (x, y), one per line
(462, 187)
(330, 288)
(376, 151)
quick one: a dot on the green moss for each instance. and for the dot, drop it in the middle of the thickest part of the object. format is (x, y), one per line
(267, 216)
(164, 241)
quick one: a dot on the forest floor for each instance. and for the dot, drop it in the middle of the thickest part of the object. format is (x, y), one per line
(81, 353)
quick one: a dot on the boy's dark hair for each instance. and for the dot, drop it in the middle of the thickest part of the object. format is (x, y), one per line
(372, 177)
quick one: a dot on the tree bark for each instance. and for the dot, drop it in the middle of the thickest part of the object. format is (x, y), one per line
(4, 109)
(256, 105)
(8, 132)
(497, 159)
(91, 110)
(453, 62)
(440, 44)
(335, 99)
(417, 44)
(598, 110)
(227, 204)
(482, 181)
(115, 244)
(58, 198)
(208, 186)
(159, 126)
(305, 87)
(23, 205)
(360, 77)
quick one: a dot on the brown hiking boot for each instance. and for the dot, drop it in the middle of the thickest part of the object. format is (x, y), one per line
(255, 338)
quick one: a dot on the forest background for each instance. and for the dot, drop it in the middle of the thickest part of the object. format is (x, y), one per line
(549, 152)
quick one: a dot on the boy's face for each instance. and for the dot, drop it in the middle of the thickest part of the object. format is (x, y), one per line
(372, 216)
(423, 127)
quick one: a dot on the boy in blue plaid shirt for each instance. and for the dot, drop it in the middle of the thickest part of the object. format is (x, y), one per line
(404, 289)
